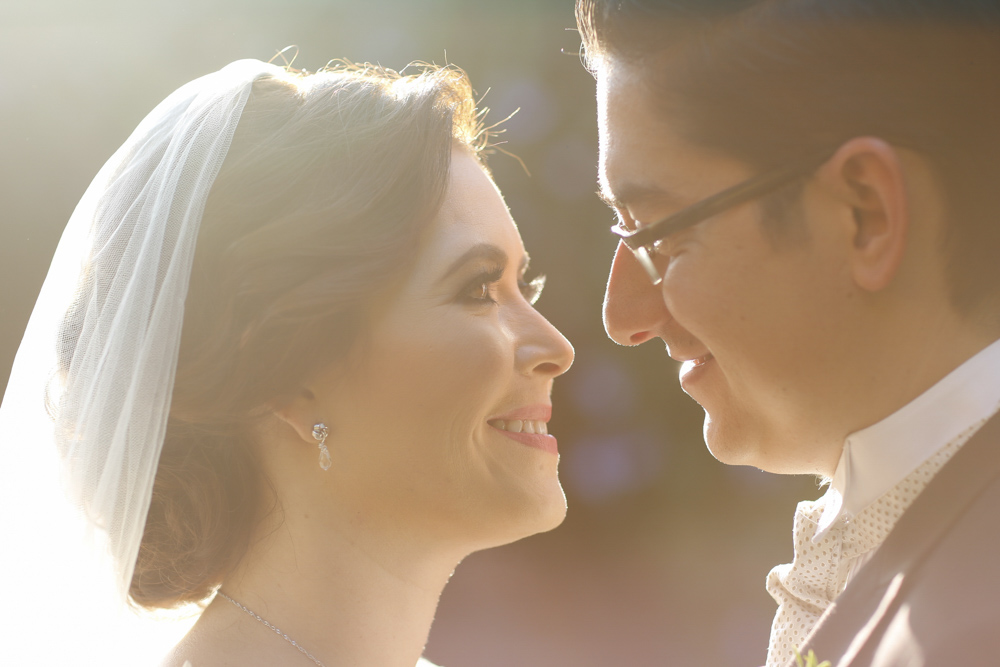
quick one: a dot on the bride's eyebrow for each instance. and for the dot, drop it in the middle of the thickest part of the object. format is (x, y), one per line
(481, 251)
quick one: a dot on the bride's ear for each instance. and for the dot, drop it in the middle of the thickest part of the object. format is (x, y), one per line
(310, 405)
(300, 413)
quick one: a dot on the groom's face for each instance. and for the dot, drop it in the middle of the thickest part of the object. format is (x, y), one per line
(750, 319)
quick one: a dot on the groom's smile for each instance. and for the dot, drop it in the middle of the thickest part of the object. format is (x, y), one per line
(807, 206)
(742, 312)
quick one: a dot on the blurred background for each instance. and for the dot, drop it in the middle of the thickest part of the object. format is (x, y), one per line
(662, 558)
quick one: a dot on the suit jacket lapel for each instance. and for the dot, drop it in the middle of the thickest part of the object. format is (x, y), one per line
(857, 615)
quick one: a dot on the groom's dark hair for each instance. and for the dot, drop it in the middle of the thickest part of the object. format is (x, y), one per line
(767, 81)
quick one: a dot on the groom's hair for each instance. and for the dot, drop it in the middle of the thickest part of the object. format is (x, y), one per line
(767, 81)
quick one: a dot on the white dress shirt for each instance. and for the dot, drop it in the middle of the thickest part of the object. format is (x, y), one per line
(877, 458)
(881, 471)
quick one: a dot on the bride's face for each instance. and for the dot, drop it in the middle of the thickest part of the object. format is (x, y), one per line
(423, 432)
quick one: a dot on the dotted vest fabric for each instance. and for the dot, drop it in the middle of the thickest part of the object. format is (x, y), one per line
(820, 569)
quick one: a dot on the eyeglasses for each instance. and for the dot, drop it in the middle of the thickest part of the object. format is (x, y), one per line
(645, 241)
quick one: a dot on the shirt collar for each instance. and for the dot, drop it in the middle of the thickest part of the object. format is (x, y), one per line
(877, 458)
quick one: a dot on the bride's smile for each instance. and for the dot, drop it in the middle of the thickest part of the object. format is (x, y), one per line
(300, 375)
(430, 415)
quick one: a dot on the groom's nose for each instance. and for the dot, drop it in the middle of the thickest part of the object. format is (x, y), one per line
(634, 311)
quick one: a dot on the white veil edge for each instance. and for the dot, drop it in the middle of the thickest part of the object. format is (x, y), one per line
(123, 264)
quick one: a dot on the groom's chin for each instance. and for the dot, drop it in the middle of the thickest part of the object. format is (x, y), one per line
(773, 451)
(730, 443)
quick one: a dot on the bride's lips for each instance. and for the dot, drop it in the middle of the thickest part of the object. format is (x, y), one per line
(527, 425)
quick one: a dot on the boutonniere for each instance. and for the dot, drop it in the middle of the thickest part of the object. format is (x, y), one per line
(810, 660)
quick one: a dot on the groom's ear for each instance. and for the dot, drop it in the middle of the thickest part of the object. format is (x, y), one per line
(865, 177)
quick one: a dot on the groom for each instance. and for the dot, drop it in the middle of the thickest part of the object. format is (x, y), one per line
(809, 202)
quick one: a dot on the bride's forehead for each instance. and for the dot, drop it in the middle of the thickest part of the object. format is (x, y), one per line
(472, 213)
(450, 237)
(467, 177)
(473, 205)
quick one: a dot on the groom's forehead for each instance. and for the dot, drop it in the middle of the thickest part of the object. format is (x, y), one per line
(642, 161)
(626, 123)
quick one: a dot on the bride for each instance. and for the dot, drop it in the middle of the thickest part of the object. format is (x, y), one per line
(299, 377)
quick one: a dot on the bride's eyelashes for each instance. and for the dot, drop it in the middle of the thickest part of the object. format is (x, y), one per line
(482, 288)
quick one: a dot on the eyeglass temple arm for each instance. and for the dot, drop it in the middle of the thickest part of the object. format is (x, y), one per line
(717, 203)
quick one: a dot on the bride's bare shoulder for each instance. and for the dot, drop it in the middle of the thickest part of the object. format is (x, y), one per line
(204, 658)
(183, 656)
(206, 649)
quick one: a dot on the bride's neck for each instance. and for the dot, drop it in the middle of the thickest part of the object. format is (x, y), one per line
(343, 587)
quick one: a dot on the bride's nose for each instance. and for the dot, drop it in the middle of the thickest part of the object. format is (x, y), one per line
(541, 348)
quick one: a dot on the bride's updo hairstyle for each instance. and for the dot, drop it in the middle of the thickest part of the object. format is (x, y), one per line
(317, 209)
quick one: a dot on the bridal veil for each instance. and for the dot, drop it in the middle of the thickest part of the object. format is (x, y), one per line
(84, 414)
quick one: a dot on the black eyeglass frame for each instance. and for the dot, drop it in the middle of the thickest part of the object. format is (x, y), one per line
(642, 240)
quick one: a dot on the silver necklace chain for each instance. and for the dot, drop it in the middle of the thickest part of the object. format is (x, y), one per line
(279, 632)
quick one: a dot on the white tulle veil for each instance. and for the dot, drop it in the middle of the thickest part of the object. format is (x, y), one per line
(84, 414)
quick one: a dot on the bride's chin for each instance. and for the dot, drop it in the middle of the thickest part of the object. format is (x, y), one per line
(555, 517)
(547, 513)
(539, 514)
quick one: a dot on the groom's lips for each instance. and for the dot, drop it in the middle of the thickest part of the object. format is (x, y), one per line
(694, 368)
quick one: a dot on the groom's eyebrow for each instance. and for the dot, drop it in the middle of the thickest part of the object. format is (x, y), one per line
(482, 252)
(621, 197)
(610, 200)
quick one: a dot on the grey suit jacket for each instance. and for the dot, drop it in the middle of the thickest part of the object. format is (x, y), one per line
(930, 596)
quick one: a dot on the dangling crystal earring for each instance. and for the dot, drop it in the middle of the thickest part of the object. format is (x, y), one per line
(320, 432)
